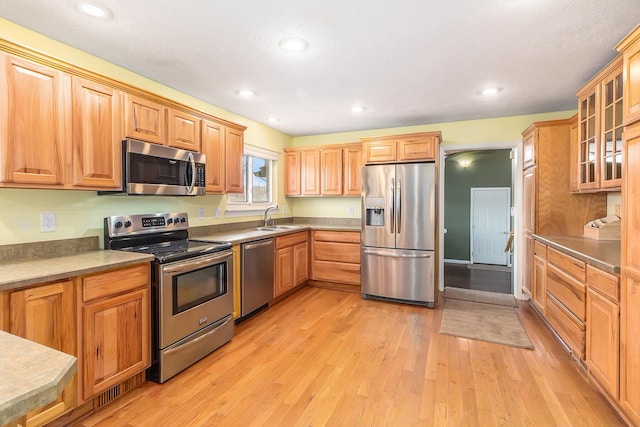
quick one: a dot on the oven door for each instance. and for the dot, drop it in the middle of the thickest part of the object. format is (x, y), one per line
(193, 293)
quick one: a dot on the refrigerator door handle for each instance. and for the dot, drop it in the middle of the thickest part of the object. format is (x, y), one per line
(396, 255)
(392, 218)
(398, 207)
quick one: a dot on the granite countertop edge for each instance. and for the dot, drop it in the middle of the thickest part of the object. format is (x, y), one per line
(602, 254)
(25, 273)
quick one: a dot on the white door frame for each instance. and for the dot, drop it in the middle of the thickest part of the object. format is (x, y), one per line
(516, 171)
(472, 229)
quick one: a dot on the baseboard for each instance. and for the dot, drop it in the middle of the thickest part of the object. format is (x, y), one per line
(456, 261)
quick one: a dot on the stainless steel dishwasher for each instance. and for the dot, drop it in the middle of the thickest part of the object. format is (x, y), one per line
(257, 275)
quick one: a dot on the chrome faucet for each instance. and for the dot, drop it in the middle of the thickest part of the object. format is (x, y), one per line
(266, 222)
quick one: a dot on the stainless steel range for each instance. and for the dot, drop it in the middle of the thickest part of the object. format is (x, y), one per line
(191, 289)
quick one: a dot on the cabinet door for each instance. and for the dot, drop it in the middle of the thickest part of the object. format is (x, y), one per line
(35, 117)
(527, 274)
(234, 151)
(603, 341)
(300, 263)
(417, 149)
(630, 48)
(144, 119)
(46, 315)
(529, 200)
(184, 131)
(213, 147)
(331, 171)
(116, 340)
(97, 135)
(529, 150)
(573, 155)
(310, 166)
(292, 171)
(352, 170)
(284, 271)
(539, 283)
(379, 151)
(588, 141)
(611, 131)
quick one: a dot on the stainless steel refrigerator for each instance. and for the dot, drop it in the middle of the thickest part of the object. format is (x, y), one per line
(398, 232)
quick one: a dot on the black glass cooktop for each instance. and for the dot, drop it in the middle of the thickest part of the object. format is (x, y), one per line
(177, 250)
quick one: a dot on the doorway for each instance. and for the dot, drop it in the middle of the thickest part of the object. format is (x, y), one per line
(475, 234)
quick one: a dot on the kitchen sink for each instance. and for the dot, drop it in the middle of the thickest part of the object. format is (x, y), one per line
(277, 227)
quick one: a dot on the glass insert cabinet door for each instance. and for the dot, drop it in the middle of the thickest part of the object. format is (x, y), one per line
(588, 150)
(611, 134)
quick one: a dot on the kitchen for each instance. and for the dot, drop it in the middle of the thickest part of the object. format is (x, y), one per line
(76, 211)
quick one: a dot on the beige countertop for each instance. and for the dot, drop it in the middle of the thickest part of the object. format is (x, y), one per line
(24, 273)
(247, 235)
(602, 254)
(32, 375)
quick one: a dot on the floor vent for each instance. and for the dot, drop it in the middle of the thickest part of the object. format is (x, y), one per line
(118, 390)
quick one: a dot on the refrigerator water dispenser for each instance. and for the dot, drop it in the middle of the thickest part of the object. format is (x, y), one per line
(374, 211)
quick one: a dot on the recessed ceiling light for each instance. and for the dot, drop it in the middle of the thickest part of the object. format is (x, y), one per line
(273, 119)
(94, 9)
(357, 109)
(293, 44)
(490, 91)
(246, 93)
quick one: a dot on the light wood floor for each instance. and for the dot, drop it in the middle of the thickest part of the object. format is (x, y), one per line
(325, 357)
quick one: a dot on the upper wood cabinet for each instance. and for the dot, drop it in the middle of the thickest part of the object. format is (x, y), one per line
(233, 153)
(573, 154)
(352, 174)
(213, 135)
(183, 130)
(331, 171)
(144, 119)
(401, 148)
(629, 47)
(35, 123)
(97, 133)
(599, 149)
(528, 151)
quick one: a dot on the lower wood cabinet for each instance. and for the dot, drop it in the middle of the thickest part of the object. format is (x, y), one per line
(603, 341)
(291, 261)
(46, 314)
(115, 327)
(336, 256)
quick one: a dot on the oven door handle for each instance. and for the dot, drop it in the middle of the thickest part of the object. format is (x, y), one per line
(191, 263)
(197, 340)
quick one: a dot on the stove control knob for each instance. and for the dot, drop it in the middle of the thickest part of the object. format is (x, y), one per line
(118, 224)
(127, 223)
(183, 219)
(170, 221)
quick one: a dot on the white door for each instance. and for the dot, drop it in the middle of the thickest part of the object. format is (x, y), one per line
(490, 225)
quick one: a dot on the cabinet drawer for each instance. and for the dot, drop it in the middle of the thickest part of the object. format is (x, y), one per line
(417, 149)
(291, 239)
(337, 236)
(540, 249)
(338, 252)
(336, 272)
(568, 291)
(114, 282)
(605, 283)
(569, 264)
(570, 329)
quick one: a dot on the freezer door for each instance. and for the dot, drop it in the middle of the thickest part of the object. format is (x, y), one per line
(378, 185)
(398, 274)
(415, 206)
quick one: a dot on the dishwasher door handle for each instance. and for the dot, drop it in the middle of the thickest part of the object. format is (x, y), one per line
(249, 246)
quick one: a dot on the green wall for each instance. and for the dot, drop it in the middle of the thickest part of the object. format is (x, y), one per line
(491, 168)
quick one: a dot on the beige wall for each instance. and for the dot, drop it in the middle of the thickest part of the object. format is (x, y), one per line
(462, 133)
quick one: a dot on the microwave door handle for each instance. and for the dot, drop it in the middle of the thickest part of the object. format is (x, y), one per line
(193, 173)
(399, 206)
(391, 206)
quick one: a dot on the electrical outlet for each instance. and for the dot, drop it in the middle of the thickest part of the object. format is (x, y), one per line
(217, 213)
(200, 213)
(47, 222)
(351, 210)
(286, 209)
(617, 209)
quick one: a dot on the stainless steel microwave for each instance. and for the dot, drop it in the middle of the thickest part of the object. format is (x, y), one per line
(151, 169)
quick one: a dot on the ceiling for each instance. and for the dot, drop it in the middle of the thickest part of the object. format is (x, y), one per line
(407, 62)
